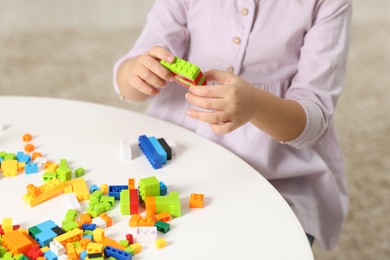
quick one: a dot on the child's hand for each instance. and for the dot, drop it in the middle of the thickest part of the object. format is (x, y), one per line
(230, 105)
(147, 75)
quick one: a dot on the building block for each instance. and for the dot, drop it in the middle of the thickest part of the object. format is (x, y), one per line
(9, 167)
(131, 183)
(137, 248)
(47, 176)
(150, 152)
(72, 201)
(125, 202)
(16, 242)
(36, 195)
(162, 226)
(163, 216)
(31, 168)
(161, 243)
(93, 188)
(80, 189)
(196, 200)
(112, 243)
(149, 186)
(186, 73)
(133, 222)
(70, 236)
(28, 148)
(6, 225)
(160, 150)
(130, 238)
(169, 203)
(163, 189)
(22, 157)
(114, 190)
(27, 137)
(134, 201)
(146, 234)
(79, 172)
(166, 147)
(117, 254)
(106, 219)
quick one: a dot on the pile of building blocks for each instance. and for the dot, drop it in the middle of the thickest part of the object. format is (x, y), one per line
(81, 234)
(157, 151)
(186, 73)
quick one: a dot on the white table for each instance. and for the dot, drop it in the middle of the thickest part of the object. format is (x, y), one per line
(244, 216)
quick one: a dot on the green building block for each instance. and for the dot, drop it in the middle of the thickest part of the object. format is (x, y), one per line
(71, 215)
(80, 172)
(162, 226)
(149, 187)
(182, 68)
(47, 176)
(124, 202)
(170, 203)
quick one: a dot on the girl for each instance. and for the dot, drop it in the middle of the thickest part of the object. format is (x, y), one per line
(277, 69)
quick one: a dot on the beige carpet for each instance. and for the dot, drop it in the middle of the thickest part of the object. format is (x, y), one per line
(78, 65)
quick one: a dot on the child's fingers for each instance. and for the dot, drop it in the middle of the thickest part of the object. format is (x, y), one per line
(154, 66)
(206, 103)
(150, 78)
(161, 54)
(143, 87)
(211, 117)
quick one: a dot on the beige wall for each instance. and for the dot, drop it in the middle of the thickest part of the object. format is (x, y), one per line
(49, 14)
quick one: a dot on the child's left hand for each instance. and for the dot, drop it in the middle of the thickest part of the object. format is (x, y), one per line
(230, 104)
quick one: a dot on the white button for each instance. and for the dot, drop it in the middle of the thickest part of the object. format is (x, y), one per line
(237, 40)
(244, 11)
(230, 69)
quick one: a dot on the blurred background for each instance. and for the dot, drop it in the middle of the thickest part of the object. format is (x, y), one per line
(67, 48)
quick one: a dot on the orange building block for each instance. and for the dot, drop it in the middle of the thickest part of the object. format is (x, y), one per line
(27, 137)
(134, 220)
(111, 242)
(148, 221)
(35, 155)
(131, 184)
(106, 219)
(28, 148)
(36, 195)
(85, 218)
(163, 216)
(84, 242)
(16, 242)
(196, 200)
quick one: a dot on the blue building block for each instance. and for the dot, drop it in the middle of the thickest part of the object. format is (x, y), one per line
(115, 190)
(22, 157)
(49, 255)
(91, 226)
(150, 152)
(31, 168)
(93, 187)
(88, 236)
(83, 254)
(46, 234)
(160, 150)
(163, 189)
(116, 253)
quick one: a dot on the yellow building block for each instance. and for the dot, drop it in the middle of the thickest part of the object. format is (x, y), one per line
(80, 188)
(51, 168)
(98, 235)
(161, 243)
(136, 247)
(9, 168)
(93, 248)
(104, 188)
(68, 188)
(7, 225)
(70, 236)
(36, 195)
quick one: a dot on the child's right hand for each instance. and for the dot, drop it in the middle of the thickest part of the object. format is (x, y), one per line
(146, 74)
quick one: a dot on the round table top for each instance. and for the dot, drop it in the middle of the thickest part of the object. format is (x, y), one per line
(244, 217)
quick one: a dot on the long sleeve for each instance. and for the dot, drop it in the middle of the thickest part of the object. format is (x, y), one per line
(321, 69)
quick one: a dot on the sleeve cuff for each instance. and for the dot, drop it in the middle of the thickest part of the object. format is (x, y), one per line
(316, 125)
